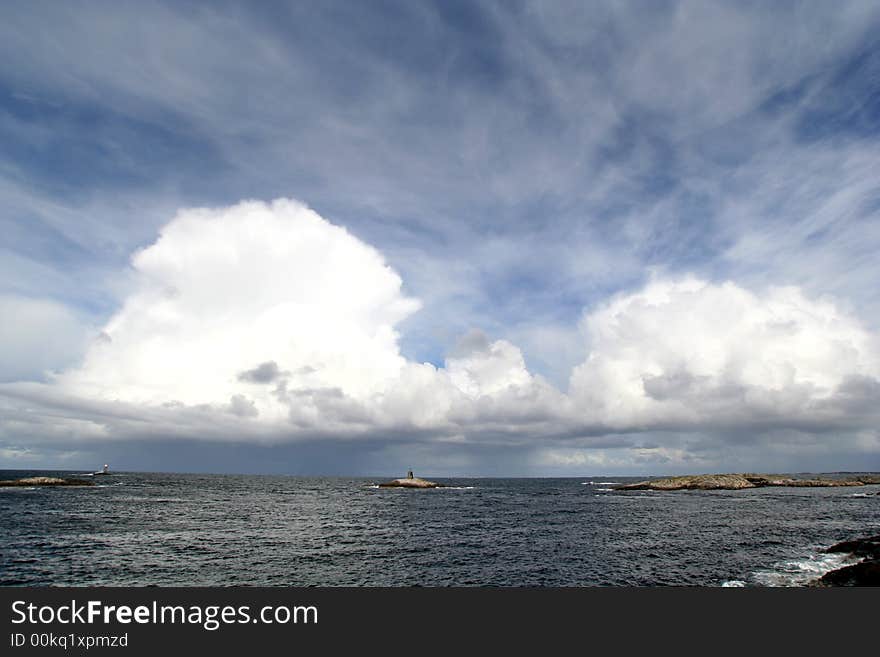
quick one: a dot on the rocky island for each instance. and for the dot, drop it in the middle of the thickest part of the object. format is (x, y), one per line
(740, 481)
(410, 482)
(46, 481)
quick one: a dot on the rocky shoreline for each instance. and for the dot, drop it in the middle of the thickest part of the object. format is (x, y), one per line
(45, 481)
(743, 481)
(863, 573)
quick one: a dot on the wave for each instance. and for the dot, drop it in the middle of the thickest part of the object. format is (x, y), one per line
(797, 572)
(600, 483)
(733, 584)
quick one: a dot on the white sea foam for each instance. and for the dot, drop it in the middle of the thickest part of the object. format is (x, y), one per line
(607, 490)
(800, 572)
(600, 483)
(733, 584)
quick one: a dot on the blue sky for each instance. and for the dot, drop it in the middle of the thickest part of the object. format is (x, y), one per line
(519, 165)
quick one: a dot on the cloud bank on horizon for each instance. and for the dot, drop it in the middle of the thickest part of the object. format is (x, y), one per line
(495, 239)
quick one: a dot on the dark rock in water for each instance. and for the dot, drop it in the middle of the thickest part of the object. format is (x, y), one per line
(864, 573)
(46, 481)
(861, 547)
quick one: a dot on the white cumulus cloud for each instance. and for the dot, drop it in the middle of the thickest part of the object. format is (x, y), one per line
(269, 314)
(227, 297)
(479, 367)
(691, 352)
(264, 322)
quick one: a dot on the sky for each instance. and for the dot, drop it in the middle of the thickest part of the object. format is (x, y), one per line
(463, 238)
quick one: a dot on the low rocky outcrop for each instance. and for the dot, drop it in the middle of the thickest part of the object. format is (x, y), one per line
(46, 481)
(740, 481)
(861, 547)
(692, 482)
(864, 573)
(410, 482)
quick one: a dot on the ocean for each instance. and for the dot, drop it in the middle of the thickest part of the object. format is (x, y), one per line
(142, 529)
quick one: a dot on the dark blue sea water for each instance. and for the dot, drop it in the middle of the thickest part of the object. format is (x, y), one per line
(184, 529)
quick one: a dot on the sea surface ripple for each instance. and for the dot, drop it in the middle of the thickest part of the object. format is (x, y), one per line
(215, 530)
